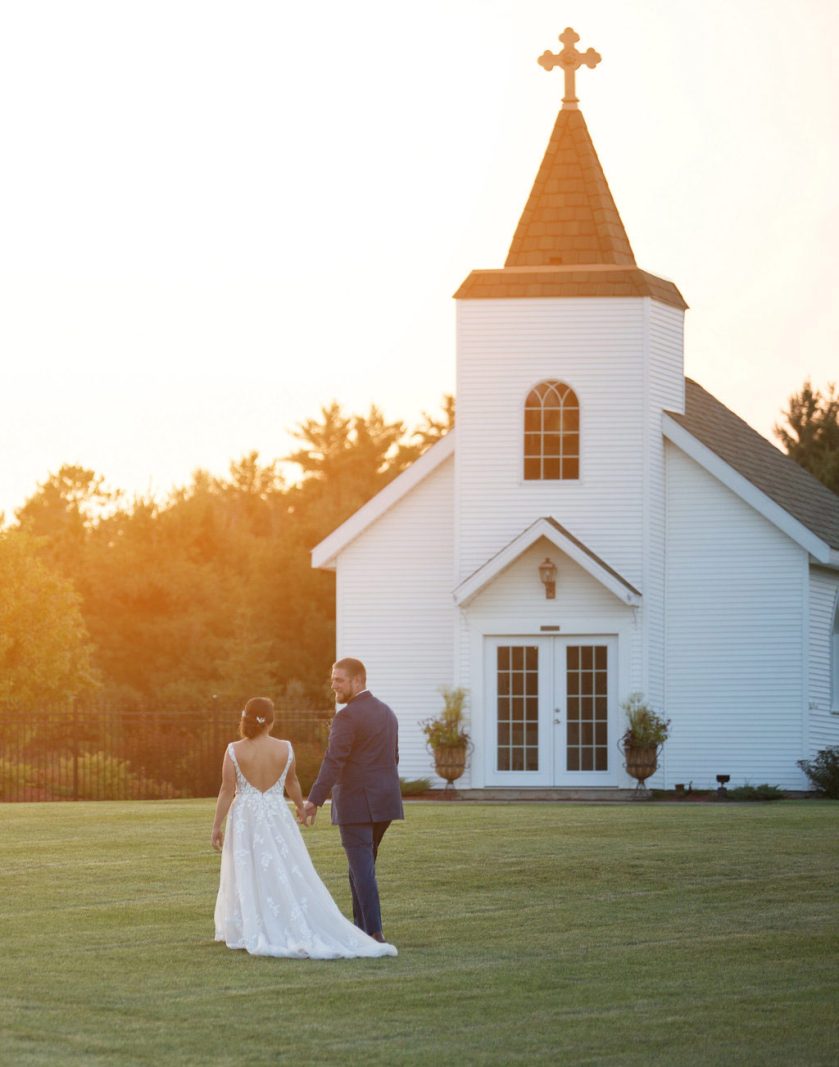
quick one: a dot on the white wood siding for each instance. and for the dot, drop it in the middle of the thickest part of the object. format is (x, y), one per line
(396, 611)
(736, 620)
(824, 715)
(505, 347)
(665, 388)
(667, 372)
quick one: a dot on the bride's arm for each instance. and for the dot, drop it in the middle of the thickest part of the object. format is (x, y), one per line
(292, 786)
(225, 799)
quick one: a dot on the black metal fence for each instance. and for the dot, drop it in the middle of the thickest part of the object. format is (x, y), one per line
(107, 753)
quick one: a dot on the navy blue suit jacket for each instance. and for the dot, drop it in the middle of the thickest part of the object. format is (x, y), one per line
(360, 765)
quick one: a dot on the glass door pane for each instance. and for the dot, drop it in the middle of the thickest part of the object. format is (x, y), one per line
(517, 740)
(517, 708)
(587, 708)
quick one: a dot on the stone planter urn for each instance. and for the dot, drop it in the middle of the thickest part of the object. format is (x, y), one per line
(641, 762)
(450, 762)
(447, 740)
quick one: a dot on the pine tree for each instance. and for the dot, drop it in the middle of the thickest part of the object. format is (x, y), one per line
(811, 433)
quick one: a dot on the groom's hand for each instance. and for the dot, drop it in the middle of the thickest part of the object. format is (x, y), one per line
(309, 813)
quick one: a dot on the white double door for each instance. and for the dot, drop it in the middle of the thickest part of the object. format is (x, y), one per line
(550, 711)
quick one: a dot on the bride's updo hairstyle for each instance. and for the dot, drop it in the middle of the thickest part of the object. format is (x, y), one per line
(257, 716)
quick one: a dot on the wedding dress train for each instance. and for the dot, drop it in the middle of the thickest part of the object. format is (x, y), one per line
(271, 900)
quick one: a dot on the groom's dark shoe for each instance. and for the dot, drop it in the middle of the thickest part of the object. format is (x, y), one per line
(378, 937)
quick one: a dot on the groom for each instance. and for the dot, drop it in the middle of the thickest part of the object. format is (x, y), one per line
(360, 769)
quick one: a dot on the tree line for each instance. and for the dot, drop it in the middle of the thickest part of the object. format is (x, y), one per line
(210, 595)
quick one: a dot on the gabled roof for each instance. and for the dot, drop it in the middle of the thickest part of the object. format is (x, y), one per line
(325, 553)
(563, 541)
(803, 497)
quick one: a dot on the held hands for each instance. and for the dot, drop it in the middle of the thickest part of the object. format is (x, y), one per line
(307, 813)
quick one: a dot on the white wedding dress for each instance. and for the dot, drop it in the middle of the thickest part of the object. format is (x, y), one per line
(270, 899)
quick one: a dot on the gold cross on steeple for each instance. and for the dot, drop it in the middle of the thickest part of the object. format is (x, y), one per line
(569, 59)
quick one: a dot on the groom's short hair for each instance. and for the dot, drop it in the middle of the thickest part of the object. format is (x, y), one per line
(353, 667)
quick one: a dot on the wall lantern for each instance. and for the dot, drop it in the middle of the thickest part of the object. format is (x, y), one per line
(547, 572)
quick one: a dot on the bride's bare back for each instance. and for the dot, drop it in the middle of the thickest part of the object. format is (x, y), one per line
(262, 760)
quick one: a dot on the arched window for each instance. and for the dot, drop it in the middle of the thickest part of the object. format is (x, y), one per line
(834, 660)
(551, 433)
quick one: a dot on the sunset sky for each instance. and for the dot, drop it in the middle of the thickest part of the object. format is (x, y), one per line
(217, 217)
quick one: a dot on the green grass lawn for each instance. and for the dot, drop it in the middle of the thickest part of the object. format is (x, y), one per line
(528, 933)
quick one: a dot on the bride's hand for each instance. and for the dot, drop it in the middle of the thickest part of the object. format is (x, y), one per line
(218, 839)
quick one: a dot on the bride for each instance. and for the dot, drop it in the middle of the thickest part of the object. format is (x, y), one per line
(270, 899)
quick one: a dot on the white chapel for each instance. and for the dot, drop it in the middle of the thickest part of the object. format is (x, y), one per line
(596, 525)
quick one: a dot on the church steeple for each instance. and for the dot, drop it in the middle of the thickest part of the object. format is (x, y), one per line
(570, 216)
(570, 240)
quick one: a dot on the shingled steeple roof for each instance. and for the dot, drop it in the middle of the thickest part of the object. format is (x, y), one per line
(570, 240)
(570, 216)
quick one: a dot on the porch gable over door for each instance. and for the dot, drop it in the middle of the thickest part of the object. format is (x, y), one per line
(554, 537)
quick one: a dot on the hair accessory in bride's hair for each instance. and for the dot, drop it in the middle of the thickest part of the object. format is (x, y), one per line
(260, 721)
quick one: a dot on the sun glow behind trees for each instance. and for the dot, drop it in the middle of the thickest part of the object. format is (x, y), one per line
(209, 595)
(45, 655)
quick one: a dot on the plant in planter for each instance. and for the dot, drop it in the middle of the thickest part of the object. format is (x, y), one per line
(446, 736)
(646, 732)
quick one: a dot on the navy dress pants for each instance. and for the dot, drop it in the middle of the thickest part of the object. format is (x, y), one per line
(361, 842)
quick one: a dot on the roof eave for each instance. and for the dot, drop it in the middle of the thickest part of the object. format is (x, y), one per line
(571, 281)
